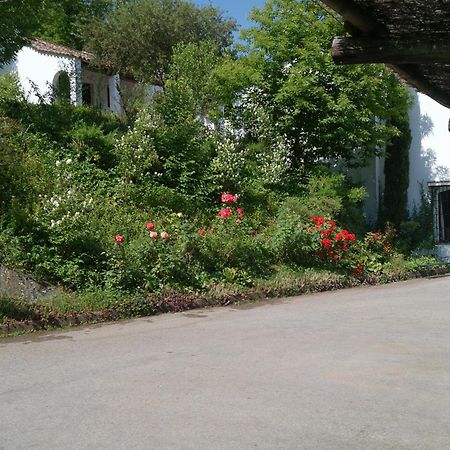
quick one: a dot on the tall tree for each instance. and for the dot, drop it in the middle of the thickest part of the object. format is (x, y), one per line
(19, 20)
(65, 20)
(396, 175)
(138, 36)
(287, 80)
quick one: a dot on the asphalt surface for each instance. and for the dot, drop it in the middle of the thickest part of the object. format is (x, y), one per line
(366, 368)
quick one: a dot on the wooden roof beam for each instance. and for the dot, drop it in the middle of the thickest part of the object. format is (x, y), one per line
(356, 16)
(367, 25)
(369, 50)
(411, 75)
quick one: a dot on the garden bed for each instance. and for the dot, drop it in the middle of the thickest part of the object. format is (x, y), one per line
(74, 310)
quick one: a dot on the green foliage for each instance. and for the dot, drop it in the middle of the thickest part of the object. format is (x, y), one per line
(10, 89)
(423, 264)
(19, 21)
(64, 21)
(14, 309)
(168, 146)
(418, 233)
(396, 175)
(233, 251)
(194, 63)
(21, 170)
(327, 195)
(77, 187)
(138, 37)
(322, 109)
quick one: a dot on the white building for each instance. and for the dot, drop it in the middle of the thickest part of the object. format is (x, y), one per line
(429, 168)
(47, 70)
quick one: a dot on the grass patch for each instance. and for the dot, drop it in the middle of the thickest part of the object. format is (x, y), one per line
(65, 309)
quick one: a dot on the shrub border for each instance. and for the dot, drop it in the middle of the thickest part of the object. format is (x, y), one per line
(178, 302)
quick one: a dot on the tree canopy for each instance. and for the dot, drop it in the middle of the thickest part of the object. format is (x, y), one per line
(138, 36)
(19, 20)
(286, 79)
(65, 21)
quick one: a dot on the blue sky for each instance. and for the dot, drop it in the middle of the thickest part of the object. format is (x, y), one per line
(237, 9)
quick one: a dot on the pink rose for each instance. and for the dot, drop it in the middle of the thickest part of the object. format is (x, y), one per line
(228, 198)
(164, 235)
(224, 213)
(153, 234)
(202, 232)
(240, 211)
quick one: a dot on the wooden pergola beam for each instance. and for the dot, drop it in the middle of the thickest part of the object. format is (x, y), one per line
(356, 16)
(411, 75)
(365, 25)
(347, 50)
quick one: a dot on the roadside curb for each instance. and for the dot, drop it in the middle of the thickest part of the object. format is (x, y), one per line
(178, 302)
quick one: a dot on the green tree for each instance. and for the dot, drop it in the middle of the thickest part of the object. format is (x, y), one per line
(65, 20)
(286, 85)
(19, 20)
(396, 174)
(138, 37)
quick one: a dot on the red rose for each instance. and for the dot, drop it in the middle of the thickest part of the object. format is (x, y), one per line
(326, 243)
(118, 238)
(150, 226)
(202, 232)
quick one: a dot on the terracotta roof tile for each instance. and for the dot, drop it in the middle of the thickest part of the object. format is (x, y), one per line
(60, 50)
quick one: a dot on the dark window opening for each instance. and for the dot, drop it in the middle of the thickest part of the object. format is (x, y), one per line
(444, 216)
(86, 94)
(108, 97)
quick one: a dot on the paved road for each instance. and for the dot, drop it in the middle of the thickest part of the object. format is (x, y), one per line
(365, 368)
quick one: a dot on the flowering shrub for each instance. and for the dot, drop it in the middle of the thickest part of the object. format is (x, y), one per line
(381, 243)
(156, 260)
(336, 246)
(231, 249)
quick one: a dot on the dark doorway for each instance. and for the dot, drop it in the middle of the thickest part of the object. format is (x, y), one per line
(444, 216)
(62, 87)
(86, 93)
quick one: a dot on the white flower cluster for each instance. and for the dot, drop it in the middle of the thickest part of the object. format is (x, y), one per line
(67, 161)
(137, 149)
(230, 160)
(274, 163)
(67, 207)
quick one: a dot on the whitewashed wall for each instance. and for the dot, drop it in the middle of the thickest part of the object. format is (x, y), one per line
(430, 147)
(429, 156)
(39, 69)
(100, 84)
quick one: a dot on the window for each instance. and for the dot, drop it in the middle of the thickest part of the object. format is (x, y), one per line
(86, 94)
(440, 194)
(444, 216)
